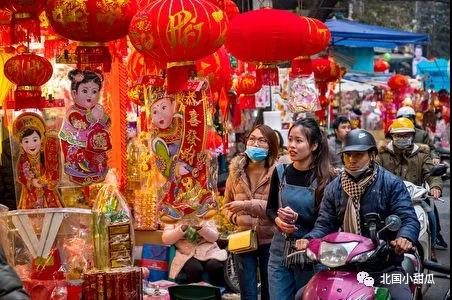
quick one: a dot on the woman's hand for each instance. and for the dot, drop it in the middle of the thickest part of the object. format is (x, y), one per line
(435, 192)
(285, 227)
(287, 215)
(235, 206)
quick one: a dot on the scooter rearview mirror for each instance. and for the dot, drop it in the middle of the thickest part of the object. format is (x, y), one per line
(438, 170)
(393, 223)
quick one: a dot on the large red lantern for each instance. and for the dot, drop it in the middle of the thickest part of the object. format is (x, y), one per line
(25, 22)
(178, 32)
(267, 36)
(317, 36)
(247, 86)
(381, 65)
(28, 71)
(216, 67)
(397, 82)
(91, 22)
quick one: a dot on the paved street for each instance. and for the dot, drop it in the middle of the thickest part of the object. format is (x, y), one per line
(438, 290)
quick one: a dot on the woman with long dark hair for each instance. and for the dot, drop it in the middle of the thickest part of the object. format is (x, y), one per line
(246, 195)
(296, 190)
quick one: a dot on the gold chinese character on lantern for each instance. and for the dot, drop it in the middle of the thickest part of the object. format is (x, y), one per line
(183, 29)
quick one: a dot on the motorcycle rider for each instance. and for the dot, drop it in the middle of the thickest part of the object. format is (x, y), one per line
(365, 187)
(420, 136)
(411, 162)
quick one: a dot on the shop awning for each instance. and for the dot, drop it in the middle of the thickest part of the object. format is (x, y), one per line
(353, 34)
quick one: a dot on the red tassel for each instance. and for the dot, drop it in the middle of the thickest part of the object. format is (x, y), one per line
(178, 75)
(267, 75)
(93, 57)
(53, 45)
(247, 101)
(24, 28)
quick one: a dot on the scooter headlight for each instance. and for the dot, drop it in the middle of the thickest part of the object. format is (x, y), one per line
(363, 256)
(335, 255)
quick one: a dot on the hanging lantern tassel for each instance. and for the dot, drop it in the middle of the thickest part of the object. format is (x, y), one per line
(267, 74)
(322, 86)
(301, 66)
(53, 44)
(23, 26)
(247, 101)
(93, 56)
(178, 74)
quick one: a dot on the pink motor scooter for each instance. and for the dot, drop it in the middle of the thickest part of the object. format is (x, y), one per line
(346, 255)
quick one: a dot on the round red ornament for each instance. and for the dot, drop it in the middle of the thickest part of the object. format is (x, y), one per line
(28, 71)
(397, 82)
(381, 65)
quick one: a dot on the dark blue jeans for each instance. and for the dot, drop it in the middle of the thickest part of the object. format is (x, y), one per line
(247, 265)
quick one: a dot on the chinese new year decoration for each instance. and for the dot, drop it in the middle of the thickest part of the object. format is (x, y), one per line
(25, 24)
(380, 65)
(93, 23)
(266, 36)
(38, 168)
(84, 136)
(28, 71)
(247, 86)
(178, 32)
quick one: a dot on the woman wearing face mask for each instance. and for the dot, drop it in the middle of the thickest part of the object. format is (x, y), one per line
(246, 196)
(412, 162)
(295, 194)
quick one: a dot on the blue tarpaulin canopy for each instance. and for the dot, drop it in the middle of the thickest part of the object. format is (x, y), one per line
(353, 34)
(436, 73)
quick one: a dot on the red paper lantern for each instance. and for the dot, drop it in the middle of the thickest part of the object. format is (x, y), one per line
(5, 27)
(231, 9)
(317, 36)
(216, 67)
(178, 32)
(397, 82)
(247, 86)
(28, 71)
(91, 22)
(267, 36)
(326, 69)
(25, 22)
(381, 65)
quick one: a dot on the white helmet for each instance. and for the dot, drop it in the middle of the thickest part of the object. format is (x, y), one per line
(405, 111)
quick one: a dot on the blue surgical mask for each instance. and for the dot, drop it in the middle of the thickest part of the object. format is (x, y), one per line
(256, 153)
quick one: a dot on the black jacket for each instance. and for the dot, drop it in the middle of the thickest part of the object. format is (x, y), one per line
(7, 191)
(10, 285)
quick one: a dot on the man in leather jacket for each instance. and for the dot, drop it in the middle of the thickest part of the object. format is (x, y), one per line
(365, 187)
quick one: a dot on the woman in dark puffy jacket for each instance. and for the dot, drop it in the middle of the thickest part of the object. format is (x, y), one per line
(10, 285)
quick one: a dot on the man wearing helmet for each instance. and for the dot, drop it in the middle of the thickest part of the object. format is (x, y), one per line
(420, 136)
(365, 187)
(411, 162)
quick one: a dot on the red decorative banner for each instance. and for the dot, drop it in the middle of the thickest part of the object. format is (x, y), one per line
(187, 196)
